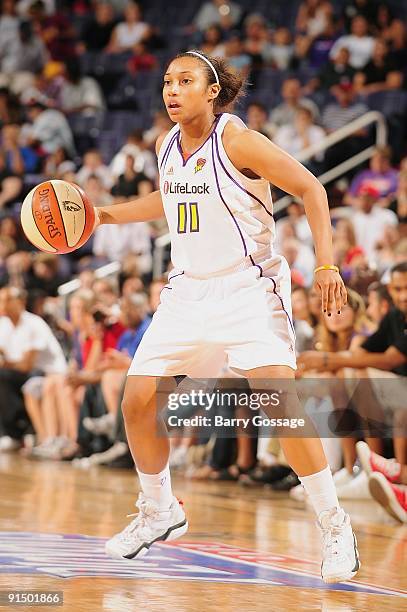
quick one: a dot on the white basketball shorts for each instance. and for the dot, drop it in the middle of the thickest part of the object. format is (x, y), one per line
(242, 320)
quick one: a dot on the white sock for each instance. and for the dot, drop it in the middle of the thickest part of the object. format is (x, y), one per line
(158, 487)
(321, 490)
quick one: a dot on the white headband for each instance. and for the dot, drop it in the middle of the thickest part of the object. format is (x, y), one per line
(211, 66)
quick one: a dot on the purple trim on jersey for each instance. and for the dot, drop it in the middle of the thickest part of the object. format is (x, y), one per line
(256, 266)
(282, 303)
(168, 150)
(175, 276)
(222, 198)
(238, 184)
(185, 161)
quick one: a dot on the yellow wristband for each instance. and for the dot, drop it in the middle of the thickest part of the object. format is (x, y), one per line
(333, 268)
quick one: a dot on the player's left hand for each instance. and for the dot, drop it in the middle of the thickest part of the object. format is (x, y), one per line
(332, 289)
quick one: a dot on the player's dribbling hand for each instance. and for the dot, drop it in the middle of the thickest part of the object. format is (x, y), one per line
(332, 289)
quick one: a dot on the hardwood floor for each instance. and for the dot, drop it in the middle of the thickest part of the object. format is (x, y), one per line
(246, 549)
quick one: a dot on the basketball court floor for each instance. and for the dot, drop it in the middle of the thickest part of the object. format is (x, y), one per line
(246, 550)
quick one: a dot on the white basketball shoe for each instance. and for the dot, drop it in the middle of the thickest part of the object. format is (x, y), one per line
(149, 525)
(340, 560)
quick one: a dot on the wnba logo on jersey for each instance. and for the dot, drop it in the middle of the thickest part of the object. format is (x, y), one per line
(200, 164)
(176, 188)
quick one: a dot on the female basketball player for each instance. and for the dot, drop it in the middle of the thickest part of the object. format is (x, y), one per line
(228, 291)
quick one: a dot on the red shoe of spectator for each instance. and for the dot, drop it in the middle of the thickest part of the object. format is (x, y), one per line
(392, 498)
(372, 462)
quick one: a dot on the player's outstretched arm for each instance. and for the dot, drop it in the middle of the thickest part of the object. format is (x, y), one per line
(251, 150)
(147, 208)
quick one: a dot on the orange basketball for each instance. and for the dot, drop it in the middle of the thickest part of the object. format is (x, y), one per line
(57, 217)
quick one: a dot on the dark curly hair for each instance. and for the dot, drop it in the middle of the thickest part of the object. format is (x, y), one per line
(231, 83)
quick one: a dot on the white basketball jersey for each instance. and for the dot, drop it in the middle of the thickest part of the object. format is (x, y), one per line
(217, 216)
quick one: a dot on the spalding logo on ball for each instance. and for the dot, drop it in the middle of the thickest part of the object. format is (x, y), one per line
(57, 217)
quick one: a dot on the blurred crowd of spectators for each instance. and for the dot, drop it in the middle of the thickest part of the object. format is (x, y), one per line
(68, 358)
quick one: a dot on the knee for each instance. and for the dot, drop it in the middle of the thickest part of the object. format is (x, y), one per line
(134, 408)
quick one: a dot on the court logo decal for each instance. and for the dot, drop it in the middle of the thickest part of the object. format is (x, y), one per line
(77, 556)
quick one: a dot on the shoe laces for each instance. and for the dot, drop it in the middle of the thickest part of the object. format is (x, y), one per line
(332, 527)
(140, 525)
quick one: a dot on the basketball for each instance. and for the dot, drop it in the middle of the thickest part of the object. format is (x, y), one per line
(57, 217)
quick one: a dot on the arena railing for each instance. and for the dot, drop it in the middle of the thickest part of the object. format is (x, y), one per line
(372, 117)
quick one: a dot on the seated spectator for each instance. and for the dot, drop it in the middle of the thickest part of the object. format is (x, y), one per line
(24, 6)
(49, 129)
(312, 17)
(144, 160)
(344, 110)
(117, 241)
(300, 258)
(19, 160)
(386, 349)
(257, 119)
(281, 50)
(396, 37)
(57, 164)
(10, 107)
(339, 114)
(93, 166)
(55, 29)
(344, 238)
(98, 30)
(92, 336)
(256, 39)
(131, 183)
(370, 220)
(9, 21)
(380, 73)
(96, 192)
(320, 47)
(45, 86)
(398, 203)
(116, 362)
(284, 113)
(80, 94)
(7, 248)
(379, 302)
(161, 123)
(336, 71)
(44, 274)
(304, 321)
(303, 133)
(212, 41)
(141, 60)
(22, 56)
(107, 296)
(10, 186)
(224, 13)
(129, 32)
(11, 228)
(235, 55)
(27, 346)
(358, 42)
(380, 176)
(359, 7)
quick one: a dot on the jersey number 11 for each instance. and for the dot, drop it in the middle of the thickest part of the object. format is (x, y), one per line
(185, 211)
